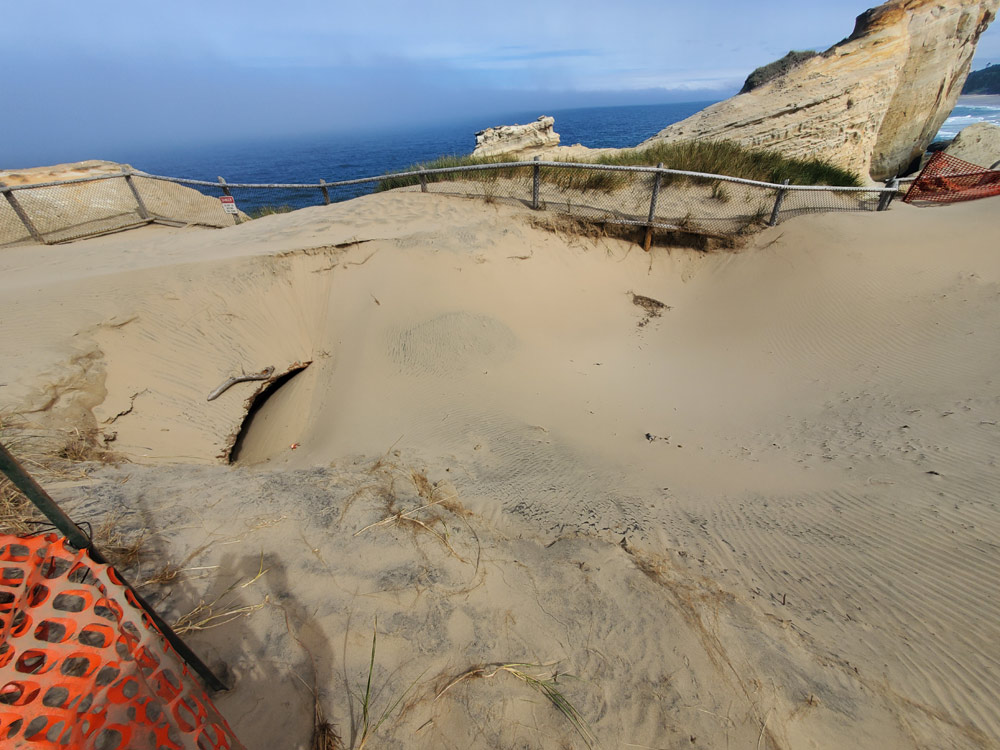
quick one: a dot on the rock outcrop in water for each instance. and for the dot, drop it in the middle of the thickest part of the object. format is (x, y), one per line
(871, 103)
(979, 144)
(506, 139)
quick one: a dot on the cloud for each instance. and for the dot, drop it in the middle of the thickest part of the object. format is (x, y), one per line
(93, 75)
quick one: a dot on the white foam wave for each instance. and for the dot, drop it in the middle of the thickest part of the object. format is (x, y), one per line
(963, 116)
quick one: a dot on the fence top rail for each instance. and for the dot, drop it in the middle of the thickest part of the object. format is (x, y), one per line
(685, 173)
(522, 164)
(468, 168)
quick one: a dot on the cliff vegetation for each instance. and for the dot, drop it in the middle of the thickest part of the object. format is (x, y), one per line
(711, 157)
(985, 81)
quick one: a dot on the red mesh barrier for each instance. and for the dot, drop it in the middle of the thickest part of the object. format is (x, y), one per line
(946, 179)
(83, 667)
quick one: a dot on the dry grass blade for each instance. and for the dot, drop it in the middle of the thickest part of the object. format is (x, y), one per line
(401, 516)
(164, 575)
(427, 491)
(49, 455)
(122, 551)
(15, 510)
(218, 612)
(546, 685)
(324, 737)
(204, 617)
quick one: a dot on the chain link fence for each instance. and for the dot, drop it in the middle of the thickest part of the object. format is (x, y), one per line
(651, 197)
(665, 199)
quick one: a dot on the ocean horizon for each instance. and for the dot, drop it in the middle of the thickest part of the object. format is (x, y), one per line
(352, 155)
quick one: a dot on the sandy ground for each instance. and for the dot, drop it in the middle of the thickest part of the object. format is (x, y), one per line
(737, 499)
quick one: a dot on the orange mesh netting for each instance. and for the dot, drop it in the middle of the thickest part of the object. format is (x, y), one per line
(946, 179)
(83, 666)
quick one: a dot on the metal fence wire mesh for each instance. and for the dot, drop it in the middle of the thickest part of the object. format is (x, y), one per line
(171, 202)
(797, 203)
(607, 196)
(640, 196)
(710, 206)
(78, 209)
(12, 229)
(510, 185)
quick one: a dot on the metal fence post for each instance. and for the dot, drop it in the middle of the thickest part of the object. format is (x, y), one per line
(9, 195)
(536, 184)
(777, 205)
(326, 193)
(225, 190)
(423, 183)
(886, 198)
(10, 467)
(648, 241)
(143, 213)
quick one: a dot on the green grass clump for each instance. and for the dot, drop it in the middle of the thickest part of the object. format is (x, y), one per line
(712, 157)
(548, 686)
(369, 723)
(734, 160)
(447, 162)
(569, 179)
(260, 211)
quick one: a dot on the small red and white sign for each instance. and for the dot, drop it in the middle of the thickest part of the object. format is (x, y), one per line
(228, 204)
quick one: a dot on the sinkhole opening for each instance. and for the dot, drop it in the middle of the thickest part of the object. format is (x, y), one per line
(257, 417)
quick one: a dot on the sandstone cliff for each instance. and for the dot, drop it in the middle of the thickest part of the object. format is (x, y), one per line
(516, 138)
(871, 103)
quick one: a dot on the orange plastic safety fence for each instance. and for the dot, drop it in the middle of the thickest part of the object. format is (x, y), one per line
(946, 179)
(83, 667)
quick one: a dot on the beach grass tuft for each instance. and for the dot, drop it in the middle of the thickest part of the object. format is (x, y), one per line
(532, 675)
(269, 210)
(49, 456)
(726, 158)
(222, 610)
(369, 723)
(420, 517)
(735, 160)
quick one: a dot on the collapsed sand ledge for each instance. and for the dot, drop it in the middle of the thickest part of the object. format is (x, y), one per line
(745, 448)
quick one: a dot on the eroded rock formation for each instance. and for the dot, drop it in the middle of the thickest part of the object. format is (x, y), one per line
(979, 143)
(871, 103)
(516, 138)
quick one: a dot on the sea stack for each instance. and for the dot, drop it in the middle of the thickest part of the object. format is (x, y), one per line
(506, 139)
(871, 103)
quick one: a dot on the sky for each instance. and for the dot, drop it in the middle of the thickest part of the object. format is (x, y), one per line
(82, 78)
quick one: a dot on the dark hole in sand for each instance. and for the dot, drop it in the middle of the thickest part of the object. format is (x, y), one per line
(262, 398)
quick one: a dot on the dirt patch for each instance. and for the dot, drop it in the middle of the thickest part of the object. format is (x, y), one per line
(653, 307)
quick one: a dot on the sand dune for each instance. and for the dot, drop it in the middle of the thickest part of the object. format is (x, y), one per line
(746, 498)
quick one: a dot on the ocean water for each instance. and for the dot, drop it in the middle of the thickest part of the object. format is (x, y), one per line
(346, 156)
(969, 111)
